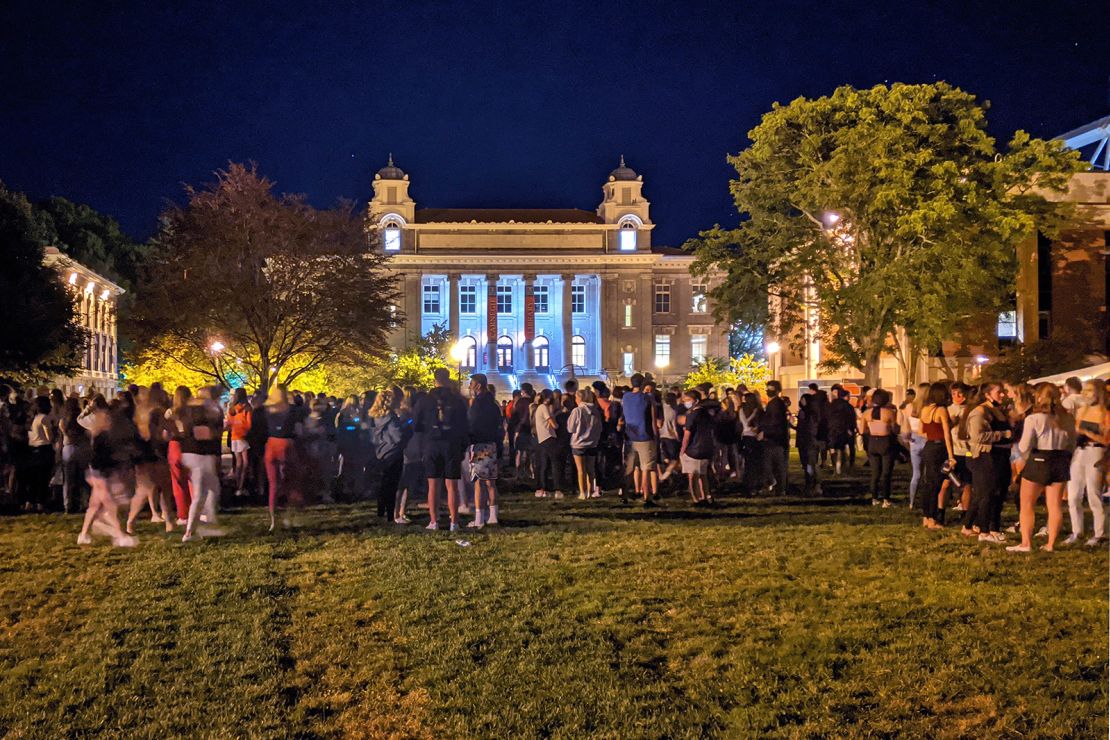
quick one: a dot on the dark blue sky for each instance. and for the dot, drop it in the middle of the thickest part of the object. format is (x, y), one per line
(497, 105)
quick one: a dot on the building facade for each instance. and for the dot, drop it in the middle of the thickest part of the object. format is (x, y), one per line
(97, 300)
(540, 295)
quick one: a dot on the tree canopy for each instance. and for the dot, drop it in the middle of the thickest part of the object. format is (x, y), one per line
(879, 212)
(40, 335)
(242, 281)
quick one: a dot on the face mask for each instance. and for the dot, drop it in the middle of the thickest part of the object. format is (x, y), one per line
(688, 404)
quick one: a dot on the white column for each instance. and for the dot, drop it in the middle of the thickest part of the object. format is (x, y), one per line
(568, 324)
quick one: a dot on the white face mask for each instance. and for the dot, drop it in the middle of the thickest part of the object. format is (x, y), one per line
(688, 404)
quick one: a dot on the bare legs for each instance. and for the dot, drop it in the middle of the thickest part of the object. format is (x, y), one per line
(452, 486)
(1030, 492)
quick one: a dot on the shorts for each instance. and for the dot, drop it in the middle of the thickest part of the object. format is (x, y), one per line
(1046, 467)
(962, 471)
(524, 440)
(584, 451)
(691, 466)
(443, 462)
(669, 448)
(240, 445)
(483, 461)
(412, 476)
(644, 453)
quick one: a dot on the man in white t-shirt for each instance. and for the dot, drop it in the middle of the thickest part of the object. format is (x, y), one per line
(1073, 399)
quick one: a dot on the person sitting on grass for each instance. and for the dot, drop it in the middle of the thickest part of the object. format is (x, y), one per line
(697, 448)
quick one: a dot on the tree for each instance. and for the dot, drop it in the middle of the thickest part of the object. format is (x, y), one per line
(91, 238)
(416, 365)
(241, 279)
(40, 335)
(877, 215)
(746, 370)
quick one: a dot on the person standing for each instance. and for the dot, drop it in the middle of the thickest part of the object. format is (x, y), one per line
(484, 423)
(283, 425)
(936, 427)
(584, 425)
(880, 423)
(697, 448)
(200, 454)
(1092, 427)
(389, 436)
(842, 430)
(989, 435)
(640, 431)
(1047, 440)
(239, 426)
(179, 476)
(776, 437)
(441, 416)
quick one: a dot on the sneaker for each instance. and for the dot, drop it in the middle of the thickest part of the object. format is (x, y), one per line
(187, 537)
(1019, 548)
(181, 522)
(995, 537)
(474, 524)
(886, 502)
(1093, 542)
(204, 518)
(958, 507)
(84, 539)
(558, 494)
(581, 497)
(465, 510)
(454, 527)
(1071, 540)
(541, 494)
(125, 541)
(649, 504)
(1012, 529)
(432, 526)
(1042, 532)
(875, 502)
(402, 520)
(968, 532)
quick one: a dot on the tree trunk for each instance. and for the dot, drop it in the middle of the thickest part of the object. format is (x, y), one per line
(871, 367)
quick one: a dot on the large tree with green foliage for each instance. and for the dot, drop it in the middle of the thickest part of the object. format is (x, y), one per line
(888, 213)
(243, 279)
(40, 334)
(90, 237)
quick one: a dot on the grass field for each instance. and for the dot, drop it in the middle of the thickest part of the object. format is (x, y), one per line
(788, 617)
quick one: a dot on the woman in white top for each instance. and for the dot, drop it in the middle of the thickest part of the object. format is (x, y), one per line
(1045, 449)
(40, 458)
(1092, 428)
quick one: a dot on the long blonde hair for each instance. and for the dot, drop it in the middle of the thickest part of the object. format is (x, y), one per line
(1046, 400)
(383, 404)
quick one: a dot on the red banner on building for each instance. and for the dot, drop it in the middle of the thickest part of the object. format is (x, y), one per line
(491, 316)
(529, 316)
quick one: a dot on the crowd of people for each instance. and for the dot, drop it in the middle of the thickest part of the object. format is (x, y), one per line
(970, 449)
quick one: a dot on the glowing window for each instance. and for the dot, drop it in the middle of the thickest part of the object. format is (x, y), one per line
(662, 350)
(504, 299)
(1007, 325)
(628, 314)
(699, 347)
(541, 351)
(504, 354)
(468, 299)
(541, 295)
(470, 357)
(628, 236)
(578, 299)
(578, 351)
(431, 299)
(392, 239)
(698, 301)
(628, 363)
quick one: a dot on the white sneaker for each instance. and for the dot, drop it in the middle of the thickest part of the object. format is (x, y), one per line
(1012, 529)
(1042, 532)
(492, 515)
(558, 494)
(875, 502)
(541, 494)
(1019, 548)
(204, 518)
(886, 502)
(465, 510)
(84, 539)
(181, 522)
(474, 524)
(958, 507)
(432, 526)
(402, 520)
(454, 527)
(187, 537)
(595, 494)
(1071, 540)
(1094, 542)
(125, 541)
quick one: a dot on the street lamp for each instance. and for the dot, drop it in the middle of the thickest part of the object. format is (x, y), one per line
(217, 347)
(458, 354)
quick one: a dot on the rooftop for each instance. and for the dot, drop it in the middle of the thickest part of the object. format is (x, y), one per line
(506, 215)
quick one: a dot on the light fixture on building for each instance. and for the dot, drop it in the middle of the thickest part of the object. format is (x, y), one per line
(90, 287)
(73, 278)
(104, 294)
(982, 359)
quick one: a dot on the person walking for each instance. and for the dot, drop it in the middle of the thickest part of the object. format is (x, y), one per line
(200, 454)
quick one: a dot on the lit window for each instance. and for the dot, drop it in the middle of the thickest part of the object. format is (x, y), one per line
(628, 236)
(504, 354)
(470, 354)
(662, 298)
(541, 351)
(698, 301)
(578, 351)
(578, 299)
(431, 299)
(504, 299)
(662, 350)
(468, 299)
(628, 363)
(1007, 325)
(392, 238)
(699, 347)
(628, 314)
(541, 298)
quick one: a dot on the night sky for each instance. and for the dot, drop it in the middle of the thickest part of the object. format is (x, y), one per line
(495, 105)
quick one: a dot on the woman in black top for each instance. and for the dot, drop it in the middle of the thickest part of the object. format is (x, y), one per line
(200, 454)
(113, 453)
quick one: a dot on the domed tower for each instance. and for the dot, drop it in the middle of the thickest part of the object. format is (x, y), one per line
(623, 205)
(391, 195)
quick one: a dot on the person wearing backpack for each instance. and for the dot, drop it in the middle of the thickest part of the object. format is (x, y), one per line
(441, 416)
(698, 446)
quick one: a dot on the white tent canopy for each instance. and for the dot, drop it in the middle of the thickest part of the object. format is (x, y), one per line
(1101, 370)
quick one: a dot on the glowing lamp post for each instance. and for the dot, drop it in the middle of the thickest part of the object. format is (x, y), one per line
(458, 354)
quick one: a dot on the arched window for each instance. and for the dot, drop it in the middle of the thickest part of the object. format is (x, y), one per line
(578, 351)
(391, 233)
(627, 234)
(505, 354)
(541, 350)
(470, 353)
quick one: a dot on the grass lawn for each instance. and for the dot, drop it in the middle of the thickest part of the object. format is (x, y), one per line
(788, 617)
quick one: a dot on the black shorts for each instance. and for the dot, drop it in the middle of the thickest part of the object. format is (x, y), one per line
(1047, 467)
(584, 452)
(669, 448)
(962, 471)
(443, 461)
